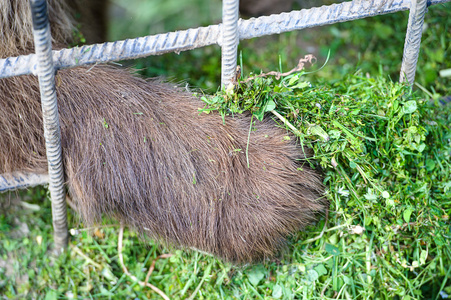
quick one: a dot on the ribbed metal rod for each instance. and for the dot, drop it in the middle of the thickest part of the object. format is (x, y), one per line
(413, 41)
(230, 40)
(204, 36)
(19, 180)
(120, 50)
(52, 133)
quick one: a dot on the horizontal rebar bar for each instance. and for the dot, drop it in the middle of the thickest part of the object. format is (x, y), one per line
(19, 180)
(205, 36)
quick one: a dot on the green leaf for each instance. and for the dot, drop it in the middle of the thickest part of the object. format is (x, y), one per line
(312, 275)
(421, 147)
(277, 291)
(332, 250)
(301, 85)
(108, 274)
(270, 105)
(321, 270)
(423, 256)
(51, 295)
(390, 203)
(347, 280)
(446, 186)
(430, 165)
(409, 107)
(256, 274)
(334, 134)
(407, 213)
(293, 79)
(259, 114)
(370, 195)
(318, 131)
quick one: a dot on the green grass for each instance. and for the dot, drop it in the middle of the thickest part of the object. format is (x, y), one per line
(388, 228)
(390, 176)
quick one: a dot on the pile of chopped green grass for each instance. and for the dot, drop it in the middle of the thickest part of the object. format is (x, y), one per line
(386, 157)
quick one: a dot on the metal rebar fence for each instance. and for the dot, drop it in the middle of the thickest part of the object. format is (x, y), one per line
(227, 35)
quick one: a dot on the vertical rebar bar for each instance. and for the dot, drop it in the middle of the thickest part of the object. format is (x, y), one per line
(230, 40)
(52, 132)
(412, 43)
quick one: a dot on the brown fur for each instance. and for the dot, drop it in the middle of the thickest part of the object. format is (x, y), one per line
(139, 151)
(16, 28)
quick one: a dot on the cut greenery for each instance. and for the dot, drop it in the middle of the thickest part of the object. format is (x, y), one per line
(385, 154)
